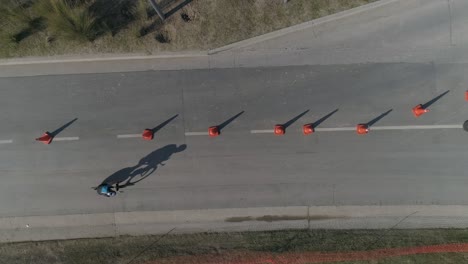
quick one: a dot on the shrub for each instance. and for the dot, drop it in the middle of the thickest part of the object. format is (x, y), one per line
(18, 21)
(70, 19)
(162, 37)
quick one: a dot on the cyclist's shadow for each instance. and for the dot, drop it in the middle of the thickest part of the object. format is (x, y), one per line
(146, 166)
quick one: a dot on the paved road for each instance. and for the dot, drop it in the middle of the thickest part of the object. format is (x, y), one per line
(237, 169)
(240, 169)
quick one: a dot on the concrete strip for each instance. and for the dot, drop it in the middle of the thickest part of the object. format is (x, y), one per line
(37, 228)
(305, 25)
(394, 211)
(14, 229)
(205, 215)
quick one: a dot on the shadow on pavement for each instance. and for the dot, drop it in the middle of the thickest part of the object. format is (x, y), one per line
(290, 122)
(227, 122)
(377, 119)
(429, 103)
(129, 176)
(163, 124)
(321, 120)
(60, 129)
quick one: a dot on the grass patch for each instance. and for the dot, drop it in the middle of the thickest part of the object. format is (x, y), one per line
(53, 27)
(69, 19)
(123, 249)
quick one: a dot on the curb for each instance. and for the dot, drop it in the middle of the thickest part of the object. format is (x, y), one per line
(304, 26)
(26, 61)
(39, 228)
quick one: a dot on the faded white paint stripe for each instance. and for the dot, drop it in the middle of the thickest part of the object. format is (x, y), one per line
(265, 131)
(196, 133)
(65, 138)
(6, 141)
(129, 136)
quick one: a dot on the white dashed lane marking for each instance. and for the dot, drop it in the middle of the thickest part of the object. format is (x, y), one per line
(129, 136)
(66, 138)
(196, 133)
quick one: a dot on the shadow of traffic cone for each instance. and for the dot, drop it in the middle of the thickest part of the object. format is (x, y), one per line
(419, 110)
(362, 129)
(148, 134)
(279, 130)
(213, 131)
(46, 138)
(308, 129)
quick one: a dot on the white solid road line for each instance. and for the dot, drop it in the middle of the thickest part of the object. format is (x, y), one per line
(65, 138)
(7, 141)
(129, 136)
(196, 133)
(415, 127)
(336, 129)
(332, 129)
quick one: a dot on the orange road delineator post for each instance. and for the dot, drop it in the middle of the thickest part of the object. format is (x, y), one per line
(308, 129)
(362, 129)
(466, 95)
(148, 134)
(46, 138)
(213, 131)
(419, 110)
(279, 130)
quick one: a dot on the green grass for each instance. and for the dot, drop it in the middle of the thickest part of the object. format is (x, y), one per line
(54, 27)
(123, 249)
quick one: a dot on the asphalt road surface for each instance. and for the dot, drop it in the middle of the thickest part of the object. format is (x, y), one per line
(238, 168)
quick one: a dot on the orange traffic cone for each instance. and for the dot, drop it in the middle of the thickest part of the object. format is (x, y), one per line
(279, 130)
(308, 129)
(148, 134)
(362, 129)
(213, 131)
(419, 110)
(46, 138)
(466, 95)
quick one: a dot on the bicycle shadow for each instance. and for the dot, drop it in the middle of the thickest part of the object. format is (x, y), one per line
(129, 176)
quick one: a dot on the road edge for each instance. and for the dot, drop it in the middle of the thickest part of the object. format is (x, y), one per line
(40, 228)
(122, 57)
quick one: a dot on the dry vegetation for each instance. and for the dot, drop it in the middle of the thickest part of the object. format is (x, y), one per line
(171, 249)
